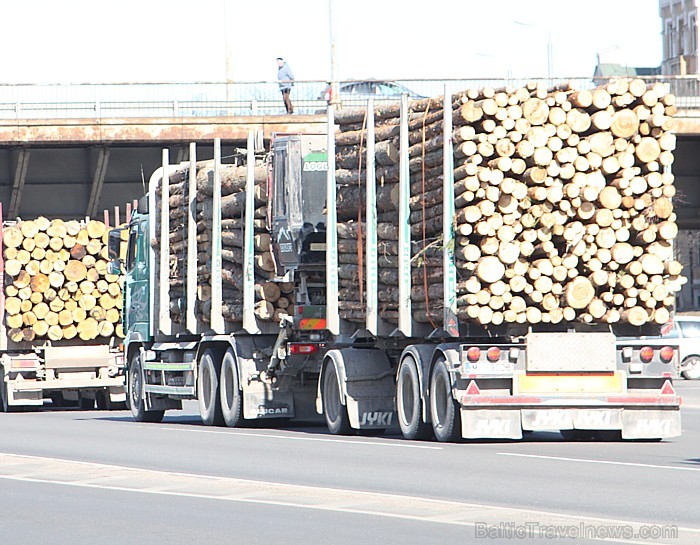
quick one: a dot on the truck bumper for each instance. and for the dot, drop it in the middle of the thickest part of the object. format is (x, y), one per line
(32, 392)
(635, 416)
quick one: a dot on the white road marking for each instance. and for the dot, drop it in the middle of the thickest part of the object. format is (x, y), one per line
(35, 469)
(397, 444)
(609, 462)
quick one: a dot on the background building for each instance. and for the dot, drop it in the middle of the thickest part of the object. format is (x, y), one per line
(679, 33)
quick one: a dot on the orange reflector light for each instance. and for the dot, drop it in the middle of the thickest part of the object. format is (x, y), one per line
(493, 354)
(666, 354)
(473, 354)
(302, 349)
(646, 354)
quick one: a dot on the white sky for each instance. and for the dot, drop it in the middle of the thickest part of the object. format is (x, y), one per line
(185, 40)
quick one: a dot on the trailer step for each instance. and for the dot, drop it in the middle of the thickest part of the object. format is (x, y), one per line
(166, 366)
(170, 390)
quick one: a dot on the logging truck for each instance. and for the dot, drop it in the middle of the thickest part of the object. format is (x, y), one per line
(59, 315)
(402, 270)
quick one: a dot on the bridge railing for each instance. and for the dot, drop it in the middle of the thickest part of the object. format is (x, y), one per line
(211, 99)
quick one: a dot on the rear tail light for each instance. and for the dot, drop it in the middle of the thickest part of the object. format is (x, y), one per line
(493, 354)
(646, 354)
(473, 354)
(666, 354)
(302, 349)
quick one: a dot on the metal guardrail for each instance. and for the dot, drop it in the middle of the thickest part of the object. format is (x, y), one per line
(206, 99)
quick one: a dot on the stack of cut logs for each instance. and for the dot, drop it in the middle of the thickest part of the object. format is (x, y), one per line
(563, 203)
(272, 299)
(56, 284)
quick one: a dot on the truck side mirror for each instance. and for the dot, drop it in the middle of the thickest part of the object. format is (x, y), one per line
(114, 242)
(114, 267)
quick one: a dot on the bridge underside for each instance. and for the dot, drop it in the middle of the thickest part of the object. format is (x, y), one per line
(78, 168)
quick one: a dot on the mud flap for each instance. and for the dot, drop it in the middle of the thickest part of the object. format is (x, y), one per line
(491, 424)
(650, 424)
(547, 419)
(260, 401)
(597, 419)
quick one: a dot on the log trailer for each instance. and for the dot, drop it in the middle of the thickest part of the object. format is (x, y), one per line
(34, 368)
(457, 380)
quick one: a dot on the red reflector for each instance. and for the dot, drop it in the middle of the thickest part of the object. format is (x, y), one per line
(473, 354)
(493, 353)
(473, 389)
(303, 348)
(646, 354)
(666, 354)
(667, 388)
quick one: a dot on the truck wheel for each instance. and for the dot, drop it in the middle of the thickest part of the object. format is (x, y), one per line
(85, 403)
(443, 409)
(135, 394)
(692, 368)
(231, 399)
(208, 390)
(336, 413)
(409, 405)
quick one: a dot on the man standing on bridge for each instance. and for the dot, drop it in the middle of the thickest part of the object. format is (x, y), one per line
(286, 82)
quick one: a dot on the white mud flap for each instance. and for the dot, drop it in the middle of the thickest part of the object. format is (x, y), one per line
(650, 424)
(597, 419)
(491, 424)
(259, 401)
(547, 419)
(371, 413)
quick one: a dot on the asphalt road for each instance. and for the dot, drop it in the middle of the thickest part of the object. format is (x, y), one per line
(75, 477)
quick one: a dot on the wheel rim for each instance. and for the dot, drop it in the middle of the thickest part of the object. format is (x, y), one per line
(406, 396)
(206, 386)
(136, 386)
(332, 397)
(693, 369)
(227, 385)
(440, 400)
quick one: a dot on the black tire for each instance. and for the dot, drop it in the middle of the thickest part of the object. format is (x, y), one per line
(693, 368)
(208, 394)
(135, 394)
(335, 412)
(105, 403)
(578, 435)
(409, 405)
(85, 403)
(4, 399)
(230, 392)
(443, 409)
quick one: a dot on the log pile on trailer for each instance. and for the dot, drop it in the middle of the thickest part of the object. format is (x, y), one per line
(563, 204)
(272, 299)
(57, 285)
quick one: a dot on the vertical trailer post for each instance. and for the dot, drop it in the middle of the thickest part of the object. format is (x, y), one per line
(372, 284)
(191, 318)
(216, 318)
(249, 322)
(449, 271)
(332, 316)
(164, 269)
(405, 318)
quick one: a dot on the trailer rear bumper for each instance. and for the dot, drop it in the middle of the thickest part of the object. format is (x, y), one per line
(636, 416)
(32, 392)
